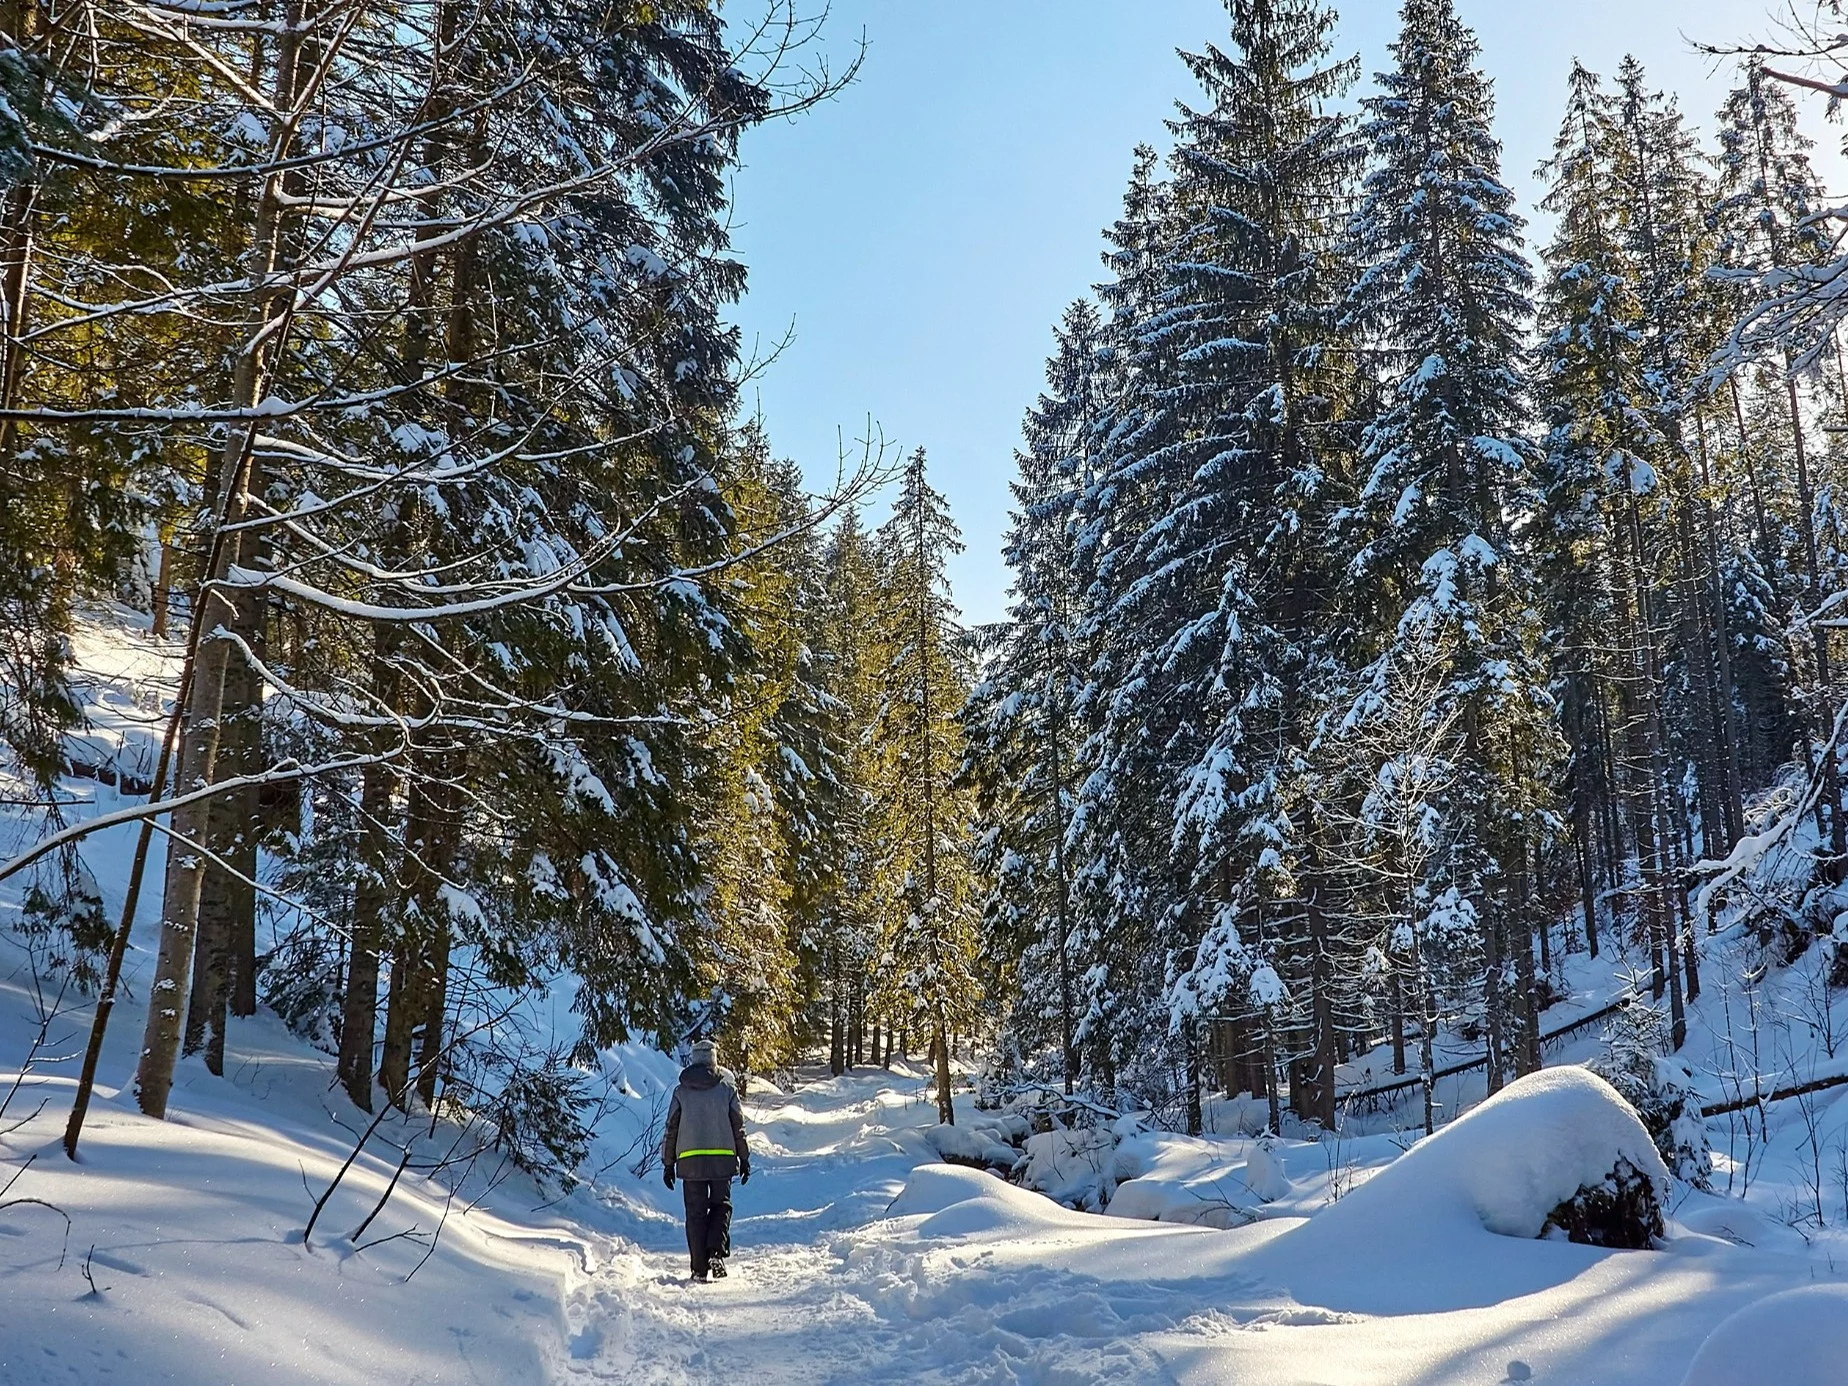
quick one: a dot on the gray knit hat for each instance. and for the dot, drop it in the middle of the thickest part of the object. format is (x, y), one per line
(705, 1051)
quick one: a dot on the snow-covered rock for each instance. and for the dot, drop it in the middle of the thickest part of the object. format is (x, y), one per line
(1509, 1163)
(1799, 1336)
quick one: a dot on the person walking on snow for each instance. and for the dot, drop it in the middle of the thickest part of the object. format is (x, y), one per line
(704, 1146)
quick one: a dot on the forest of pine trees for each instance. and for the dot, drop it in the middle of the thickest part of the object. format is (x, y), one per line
(1396, 609)
(381, 355)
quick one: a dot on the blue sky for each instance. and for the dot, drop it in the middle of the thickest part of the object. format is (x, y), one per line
(921, 234)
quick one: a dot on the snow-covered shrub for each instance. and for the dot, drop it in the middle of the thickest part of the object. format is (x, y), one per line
(1077, 1167)
(535, 1108)
(1622, 1210)
(63, 915)
(1264, 1174)
(1781, 933)
(979, 1145)
(1660, 1087)
(300, 980)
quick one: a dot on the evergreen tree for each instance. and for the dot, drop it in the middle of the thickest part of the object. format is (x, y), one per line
(850, 648)
(926, 884)
(1020, 720)
(776, 793)
(1442, 299)
(1231, 445)
(1622, 331)
(1119, 847)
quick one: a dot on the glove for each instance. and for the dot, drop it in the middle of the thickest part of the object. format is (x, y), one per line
(744, 1174)
(667, 1175)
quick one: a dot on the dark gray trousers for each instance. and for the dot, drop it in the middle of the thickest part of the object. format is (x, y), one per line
(708, 1219)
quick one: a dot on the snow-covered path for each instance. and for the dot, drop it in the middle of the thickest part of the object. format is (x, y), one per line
(829, 1158)
(1006, 1288)
(826, 1290)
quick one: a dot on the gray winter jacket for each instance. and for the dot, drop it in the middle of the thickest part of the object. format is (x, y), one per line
(705, 1127)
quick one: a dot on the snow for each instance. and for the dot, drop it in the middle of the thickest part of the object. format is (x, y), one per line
(1264, 1174)
(859, 1257)
(972, 1143)
(192, 1233)
(954, 1201)
(1508, 1163)
(1076, 1167)
(1799, 1336)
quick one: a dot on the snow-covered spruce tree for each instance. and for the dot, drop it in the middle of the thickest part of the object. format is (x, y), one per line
(1441, 300)
(1392, 770)
(1626, 318)
(926, 973)
(1765, 214)
(1021, 724)
(1585, 375)
(774, 800)
(1665, 180)
(1117, 832)
(1232, 583)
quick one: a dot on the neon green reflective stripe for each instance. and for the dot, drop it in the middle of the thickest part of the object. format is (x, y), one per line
(683, 1154)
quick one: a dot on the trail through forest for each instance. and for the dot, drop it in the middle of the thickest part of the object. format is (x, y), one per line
(825, 1288)
(857, 1259)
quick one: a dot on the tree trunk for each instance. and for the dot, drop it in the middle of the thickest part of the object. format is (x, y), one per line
(1190, 1038)
(200, 744)
(162, 602)
(1397, 1021)
(946, 1107)
(1322, 1008)
(837, 1030)
(1524, 967)
(1274, 1104)
(371, 896)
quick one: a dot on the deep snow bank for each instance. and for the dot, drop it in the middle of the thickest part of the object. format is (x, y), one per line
(1799, 1337)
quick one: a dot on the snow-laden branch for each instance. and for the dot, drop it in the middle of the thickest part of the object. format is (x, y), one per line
(1753, 848)
(282, 772)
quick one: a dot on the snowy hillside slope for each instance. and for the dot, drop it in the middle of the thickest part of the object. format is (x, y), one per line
(183, 1258)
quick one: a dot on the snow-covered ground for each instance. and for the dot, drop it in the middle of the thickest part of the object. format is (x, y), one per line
(201, 1275)
(859, 1257)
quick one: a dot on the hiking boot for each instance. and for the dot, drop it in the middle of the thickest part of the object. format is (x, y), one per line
(718, 1268)
(699, 1277)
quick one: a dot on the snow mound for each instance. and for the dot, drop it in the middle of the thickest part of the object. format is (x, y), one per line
(1799, 1336)
(1501, 1169)
(1157, 1200)
(957, 1201)
(1510, 1162)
